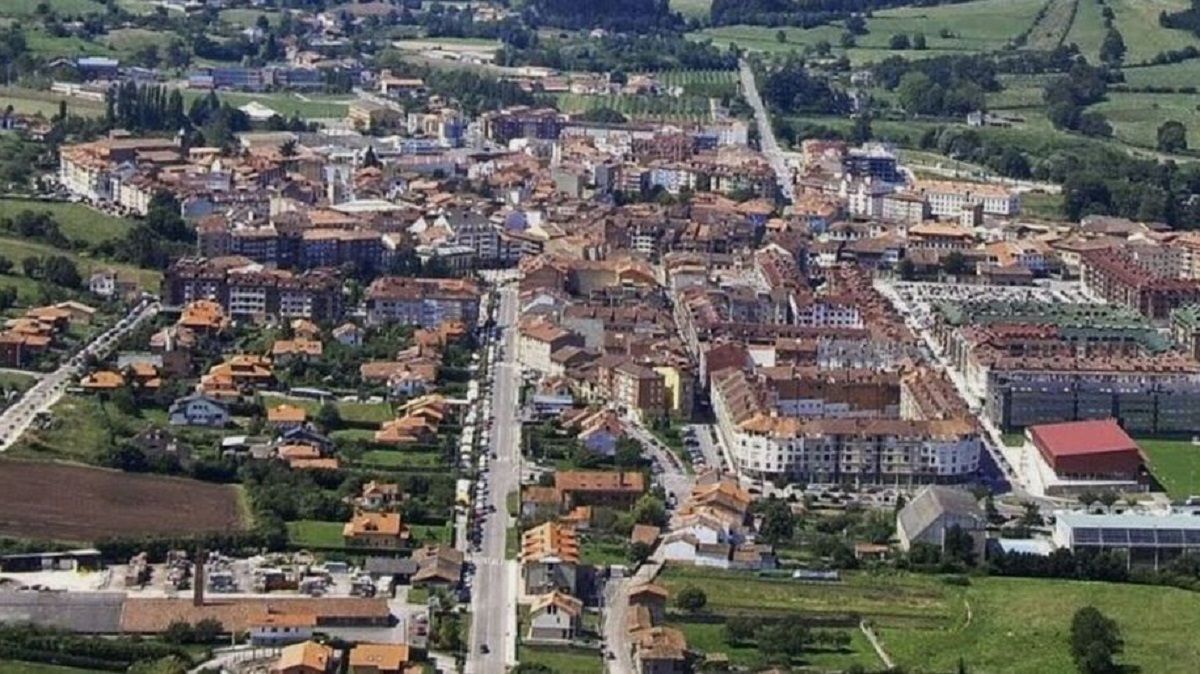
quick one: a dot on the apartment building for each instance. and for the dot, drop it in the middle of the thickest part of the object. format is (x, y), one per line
(538, 340)
(422, 301)
(1117, 277)
(948, 199)
(247, 290)
(640, 390)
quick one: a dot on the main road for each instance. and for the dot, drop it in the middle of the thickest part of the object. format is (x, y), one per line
(493, 642)
(50, 388)
(766, 134)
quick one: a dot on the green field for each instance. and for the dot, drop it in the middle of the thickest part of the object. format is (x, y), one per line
(1176, 464)
(573, 660)
(28, 8)
(705, 83)
(15, 381)
(318, 534)
(692, 8)
(1182, 74)
(391, 458)
(286, 104)
(1087, 31)
(656, 108)
(17, 249)
(78, 432)
(129, 40)
(1144, 37)
(709, 637)
(32, 102)
(982, 25)
(1050, 31)
(1135, 118)
(76, 221)
(247, 17)
(925, 624)
(19, 667)
(351, 412)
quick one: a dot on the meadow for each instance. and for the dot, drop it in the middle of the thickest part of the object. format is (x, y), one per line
(1176, 464)
(76, 221)
(926, 624)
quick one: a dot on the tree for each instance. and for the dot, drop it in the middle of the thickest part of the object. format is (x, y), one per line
(638, 552)
(781, 37)
(208, 631)
(1095, 640)
(288, 148)
(918, 41)
(650, 510)
(906, 269)
(32, 266)
(179, 632)
(783, 640)
(1112, 50)
(958, 545)
(691, 599)
(740, 628)
(954, 263)
(856, 24)
(328, 417)
(899, 42)
(60, 270)
(604, 114)
(861, 132)
(6, 266)
(778, 522)
(628, 453)
(1172, 136)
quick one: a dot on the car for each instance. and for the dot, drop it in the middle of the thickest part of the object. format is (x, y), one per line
(483, 648)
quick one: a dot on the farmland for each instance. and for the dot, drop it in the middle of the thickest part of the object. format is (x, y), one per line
(924, 622)
(1176, 464)
(27, 8)
(287, 105)
(32, 102)
(76, 221)
(75, 503)
(328, 535)
(657, 108)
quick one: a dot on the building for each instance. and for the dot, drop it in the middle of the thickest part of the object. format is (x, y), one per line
(423, 302)
(278, 629)
(1097, 450)
(199, 410)
(936, 510)
(378, 530)
(611, 489)
(247, 290)
(639, 391)
(1145, 540)
(368, 115)
(550, 559)
(1117, 277)
(948, 199)
(538, 340)
(503, 126)
(368, 658)
(308, 657)
(555, 616)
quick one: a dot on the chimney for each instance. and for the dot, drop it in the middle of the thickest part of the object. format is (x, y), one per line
(198, 578)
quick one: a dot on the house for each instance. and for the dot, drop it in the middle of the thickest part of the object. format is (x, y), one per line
(308, 657)
(555, 616)
(299, 349)
(198, 410)
(651, 596)
(659, 650)
(384, 531)
(614, 489)
(934, 511)
(369, 658)
(646, 534)
(277, 629)
(550, 559)
(438, 565)
(380, 495)
(102, 381)
(349, 334)
(285, 416)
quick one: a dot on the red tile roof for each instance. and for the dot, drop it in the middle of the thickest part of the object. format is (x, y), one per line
(1074, 438)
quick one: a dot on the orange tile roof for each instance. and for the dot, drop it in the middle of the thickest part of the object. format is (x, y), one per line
(382, 657)
(307, 655)
(550, 540)
(375, 524)
(285, 413)
(102, 380)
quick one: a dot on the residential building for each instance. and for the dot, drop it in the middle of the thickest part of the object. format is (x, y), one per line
(369, 658)
(198, 410)
(934, 511)
(555, 616)
(308, 657)
(422, 302)
(611, 489)
(538, 340)
(378, 530)
(550, 559)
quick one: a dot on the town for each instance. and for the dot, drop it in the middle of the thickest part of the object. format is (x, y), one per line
(479, 352)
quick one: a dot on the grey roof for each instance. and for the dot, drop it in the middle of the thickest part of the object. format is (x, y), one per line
(934, 501)
(1176, 520)
(87, 612)
(390, 566)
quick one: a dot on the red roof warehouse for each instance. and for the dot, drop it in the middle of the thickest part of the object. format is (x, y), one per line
(1097, 449)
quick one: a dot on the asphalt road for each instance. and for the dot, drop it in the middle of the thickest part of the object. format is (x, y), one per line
(766, 133)
(494, 597)
(15, 420)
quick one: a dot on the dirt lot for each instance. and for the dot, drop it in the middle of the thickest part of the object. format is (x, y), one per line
(76, 503)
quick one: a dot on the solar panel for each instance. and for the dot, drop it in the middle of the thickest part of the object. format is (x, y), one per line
(1087, 535)
(1141, 536)
(1114, 536)
(1192, 536)
(1170, 536)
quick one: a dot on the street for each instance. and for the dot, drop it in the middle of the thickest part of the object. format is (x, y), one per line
(15, 420)
(766, 133)
(494, 597)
